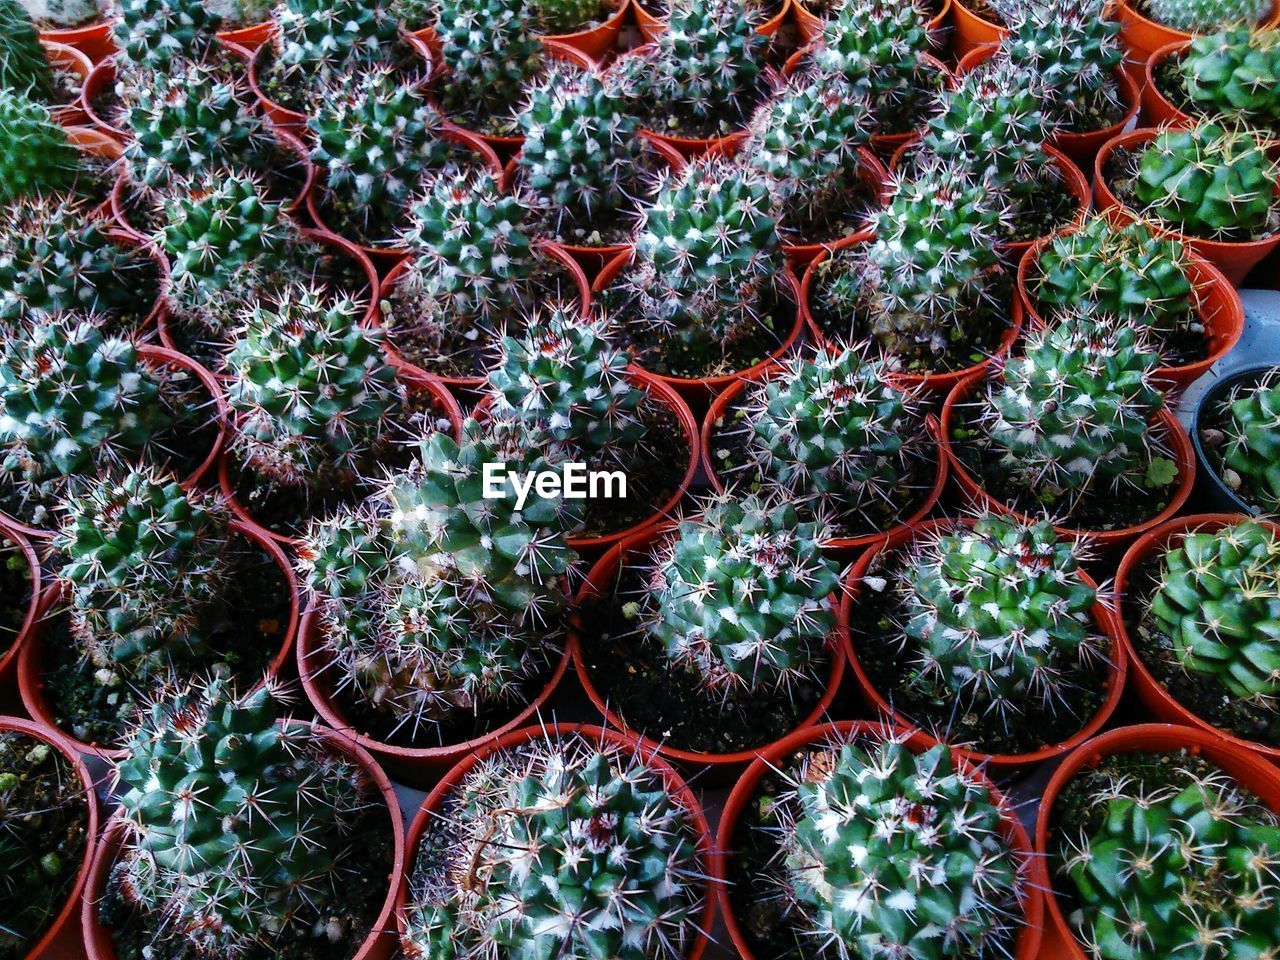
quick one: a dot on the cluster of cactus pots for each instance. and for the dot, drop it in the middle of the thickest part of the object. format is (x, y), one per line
(570, 408)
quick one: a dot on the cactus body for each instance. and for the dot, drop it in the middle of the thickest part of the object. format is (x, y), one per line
(1252, 451)
(24, 67)
(152, 34)
(35, 157)
(492, 50)
(1205, 16)
(1235, 74)
(323, 38)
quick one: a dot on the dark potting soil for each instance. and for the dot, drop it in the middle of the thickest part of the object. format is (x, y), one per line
(15, 592)
(1202, 694)
(845, 214)
(352, 901)
(1128, 504)
(66, 87)
(666, 702)
(674, 121)
(983, 9)
(888, 664)
(244, 631)
(731, 455)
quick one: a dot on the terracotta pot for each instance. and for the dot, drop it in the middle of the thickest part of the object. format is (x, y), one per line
(60, 938)
(1179, 451)
(9, 657)
(596, 41)
(699, 391)
(675, 785)
(651, 25)
(1234, 259)
(1213, 492)
(31, 661)
(469, 383)
(94, 40)
(1154, 695)
(1157, 109)
(597, 587)
(1001, 764)
(101, 77)
(1250, 771)
(1081, 147)
(971, 30)
(720, 408)
(249, 38)
(809, 25)
(164, 357)
(387, 256)
(1218, 307)
(378, 945)
(413, 378)
(1027, 944)
(1142, 37)
(929, 382)
(69, 60)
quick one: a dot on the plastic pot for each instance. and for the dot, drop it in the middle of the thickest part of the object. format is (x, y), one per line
(596, 41)
(1250, 771)
(9, 658)
(1234, 259)
(972, 30)
(651, 24)
(95, 143)
(163, 356)
(1218, 307)
(1165, 423)
(249, 38)
(1142, 37)
(94, 40)
(471, 382)
(1000, 763)
(699, 391)
(413, 378)
(70, 60)
(1157, 109)
(930, 382)
(378, 945)
(1213, 491)
(1155, 697)
(598, 587)
(101, 77)
(31, 661)
(1027, 944)
(280, 116)
(60, 939)
(809, 25)
(720, 408)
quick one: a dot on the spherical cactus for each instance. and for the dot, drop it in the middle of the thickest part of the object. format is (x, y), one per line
(235, 823)
(1235, 74)
(1178, 867)
(1208, 181)
(63, 13)
(888, 853)
(997, 614)
(144, 559)
(740, 596)
(565, 377)
(1205, 16)
(491, 50)
(1218, 599)
(1251, 454)
(310, 387)
(566, 16)
(1072, 413)
(607, 862)
(35, 157)
(24, 67)
(877, 45)
(153, 33)
(324, 37)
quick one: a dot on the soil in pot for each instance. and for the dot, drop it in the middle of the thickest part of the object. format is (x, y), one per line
(848, 212)
(245, 628)
(668, 120)
(44, 822)
(291, 88)
(15, 592)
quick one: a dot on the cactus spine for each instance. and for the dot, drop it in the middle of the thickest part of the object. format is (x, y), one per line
(24, 67)
(1251, 456)
(491, 51)
(153, 34)
(1205, 16)
(35, 157)
(1234, 74)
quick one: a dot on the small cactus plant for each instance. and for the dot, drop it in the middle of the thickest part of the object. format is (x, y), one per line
(35, 157)
(1234, 74)
(24, 67)
(865, 839)
(152, 34)
(1209, 181)
(1205, 16)
(1251, 448)
(319, 39)
(62, 13)
(1178, 866)
(1218, 600)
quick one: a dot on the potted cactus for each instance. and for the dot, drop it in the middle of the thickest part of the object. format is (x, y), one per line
(1149, 25)
(40, 158)
(20, 585)
(156, 582)
(832, 428)
(51, 73)
(1211, 185)
(592, 26)
(617, 854)
(48, 821)
(294, 847)
(712, 637)
(1197, 597)
(986, 634)
(838, 837)
(1230, 74)
(929, 289)
(705, 296)
(75, 23)
(1235, 428)
(1190, 314)
(1074, 429)
(1143, 831)
(438, 614)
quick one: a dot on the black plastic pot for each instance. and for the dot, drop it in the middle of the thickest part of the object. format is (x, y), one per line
(1211, 491)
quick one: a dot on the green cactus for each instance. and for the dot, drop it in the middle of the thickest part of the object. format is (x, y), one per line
(997, 615)
(1208, 181)
(565, 377)
(1179, 868)
(322, 38)
(61, 14)
(251, 860)
(36, 158)
(609, 865)
(1234, 74)
(1218, 599)
(1251, 454)
(567, 16)
(1205, 16)
(152, 34)
(312, 393)
(491, 50)
(24, 67)
(892, 854)
(1072, 413)
(144, 559)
